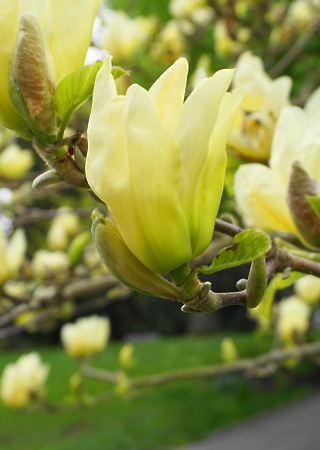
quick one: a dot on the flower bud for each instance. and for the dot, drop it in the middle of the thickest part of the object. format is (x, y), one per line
(308, 288)
(257, 282)
(123, 264)
(126, 356)
(15, 162)
(31, 76)
(228, 350)
(304, 216)
(88, 335)
(293, 316)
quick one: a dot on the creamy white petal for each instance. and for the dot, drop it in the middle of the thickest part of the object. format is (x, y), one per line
(278, 96)
(312, 106)
(287, 140)
(261, 198)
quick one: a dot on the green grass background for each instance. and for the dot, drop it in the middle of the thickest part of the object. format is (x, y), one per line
(160, 418)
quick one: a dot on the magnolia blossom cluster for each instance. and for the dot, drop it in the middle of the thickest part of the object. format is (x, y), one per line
(23, 380)
(261, 192)
(86, 336)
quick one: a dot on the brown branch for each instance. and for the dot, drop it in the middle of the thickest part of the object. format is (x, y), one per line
(248, 366)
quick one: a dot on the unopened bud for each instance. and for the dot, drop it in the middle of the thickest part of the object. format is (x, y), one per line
(31, 75)
(126, 356)
(257, 282)
(123, 265)
(304, 216)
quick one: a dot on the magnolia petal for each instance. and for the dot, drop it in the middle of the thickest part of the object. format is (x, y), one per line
(286, 142)
(4, 266)
(309, 149)
(169, 90)
(278, 95)
(104, 88)
(193, 129)
(155, 168)
(250, 75)
(107, 167)
(312, 106)
(206, 209)
(261, 198)
(71, 25)
(16, 250)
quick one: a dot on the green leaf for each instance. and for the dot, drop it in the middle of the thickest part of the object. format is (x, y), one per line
(76, 88)
(246, 246)
(315, 204)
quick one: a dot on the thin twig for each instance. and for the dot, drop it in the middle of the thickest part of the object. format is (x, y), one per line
(249, 366)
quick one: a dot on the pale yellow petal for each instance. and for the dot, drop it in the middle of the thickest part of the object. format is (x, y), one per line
(4, 266)
(16, 250)
(312, 106)
(209, 195)
(309, 148)
(155, 168)
(286, 141)
(192, 133)
(169, 90)
(261, 198)
(278, 96)
(71, 23)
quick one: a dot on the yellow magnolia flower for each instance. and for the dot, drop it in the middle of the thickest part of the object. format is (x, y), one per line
(263, 101)
(308, 288)
(15, 162)
(12, 254)
(170, 43)
(64, 226)
(293, 316)
(159, 163)
(66, 26)
(224, 44)
(23, 379)
(123, 36)
(261, 191)
(86, 336)
(46, 264)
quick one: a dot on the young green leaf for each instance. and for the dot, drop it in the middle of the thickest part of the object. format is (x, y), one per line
(246, 246)
(76, 88)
